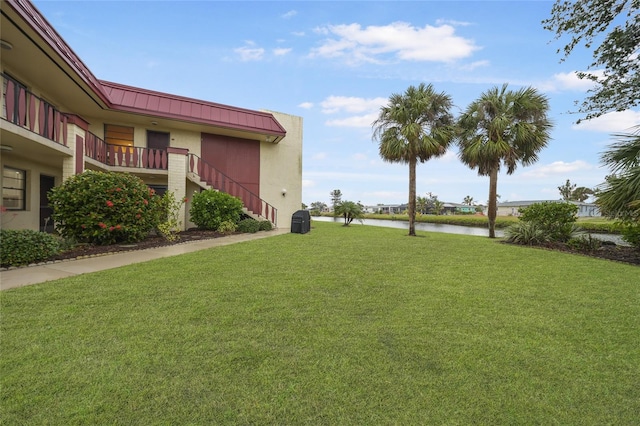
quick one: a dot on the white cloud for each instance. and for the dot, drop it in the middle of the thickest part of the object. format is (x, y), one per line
(473, 65)
(452, 22)
(306, 105)
(298, 33)
(334, 104)
(290, 14)
(613, 122)
(307, 183)
(568, 81)
(354, 121)
(249, 52)
(557, 168)
(281, 51)
(400, 39)
(448, 157)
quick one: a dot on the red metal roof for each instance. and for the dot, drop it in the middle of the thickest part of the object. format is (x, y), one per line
(134, 99)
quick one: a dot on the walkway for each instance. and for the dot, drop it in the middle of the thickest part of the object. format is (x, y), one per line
(52, 271)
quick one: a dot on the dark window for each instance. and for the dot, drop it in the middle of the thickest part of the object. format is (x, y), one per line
(14, 188)
(159, 189)
(157, 140)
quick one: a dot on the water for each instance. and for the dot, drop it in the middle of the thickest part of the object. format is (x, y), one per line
(449, 229)
(420, 226)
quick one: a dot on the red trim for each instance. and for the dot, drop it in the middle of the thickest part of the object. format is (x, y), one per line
(79, 154)
(78, 121)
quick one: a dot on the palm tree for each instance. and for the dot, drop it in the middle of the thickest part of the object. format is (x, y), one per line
(503, 127)
(421, 204)
(619, 196)
(414, 126)
(350, 210)
(468, 200)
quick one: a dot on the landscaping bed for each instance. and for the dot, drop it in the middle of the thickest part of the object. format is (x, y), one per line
(153, 241)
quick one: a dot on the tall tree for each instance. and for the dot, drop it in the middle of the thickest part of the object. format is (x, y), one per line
(336, 199)
(414, 127)
(582, 193)
(468, 200)
(615, 69)
(318, 205)
(503, 127)
(619, 196)
(573, 192)
(566, 190)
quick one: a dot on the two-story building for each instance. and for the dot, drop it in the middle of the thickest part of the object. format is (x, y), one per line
(58, 119)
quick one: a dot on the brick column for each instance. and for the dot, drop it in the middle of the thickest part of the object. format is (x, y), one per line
(177, 180)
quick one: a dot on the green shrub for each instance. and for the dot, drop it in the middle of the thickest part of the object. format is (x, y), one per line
(527, 233)
(557, 219)
(248, 226)
(25, 246)
(584, 242)
(210, 208)
(227, 227)
(104, 208)
(169, 216)
(265, 225)
(631, 234)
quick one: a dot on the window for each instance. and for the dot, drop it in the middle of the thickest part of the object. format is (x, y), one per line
(14, 188)
(118, 135)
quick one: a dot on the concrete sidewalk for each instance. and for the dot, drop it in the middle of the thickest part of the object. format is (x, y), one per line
(52, 271)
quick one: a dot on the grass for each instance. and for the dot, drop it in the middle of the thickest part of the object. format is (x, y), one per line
(344, 325)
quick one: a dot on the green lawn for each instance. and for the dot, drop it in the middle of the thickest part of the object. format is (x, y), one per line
(358, 325)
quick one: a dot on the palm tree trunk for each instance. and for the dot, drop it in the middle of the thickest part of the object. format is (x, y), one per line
(493, 202)
(412, 197)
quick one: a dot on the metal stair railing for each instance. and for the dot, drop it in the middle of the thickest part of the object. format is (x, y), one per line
(221, 182)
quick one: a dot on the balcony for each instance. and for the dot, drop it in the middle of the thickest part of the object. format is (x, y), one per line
(134, 157)
(28, 111)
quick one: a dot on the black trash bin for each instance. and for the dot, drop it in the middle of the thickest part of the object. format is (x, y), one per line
(301, 222)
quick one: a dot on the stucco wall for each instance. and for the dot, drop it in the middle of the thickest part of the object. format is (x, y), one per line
(281, 168)
(29, 218)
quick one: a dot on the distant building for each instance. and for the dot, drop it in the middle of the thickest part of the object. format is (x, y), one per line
(455, 208)
(510, 208)
(386, 208)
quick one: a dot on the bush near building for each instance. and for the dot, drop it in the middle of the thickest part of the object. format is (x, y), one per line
(104, 208)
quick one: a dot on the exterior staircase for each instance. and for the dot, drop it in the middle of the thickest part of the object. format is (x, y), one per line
(208, 177)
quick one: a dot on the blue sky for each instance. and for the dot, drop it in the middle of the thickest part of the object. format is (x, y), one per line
(336, 63)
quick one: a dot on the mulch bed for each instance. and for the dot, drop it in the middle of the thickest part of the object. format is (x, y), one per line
(618, 253)
(89, 250)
